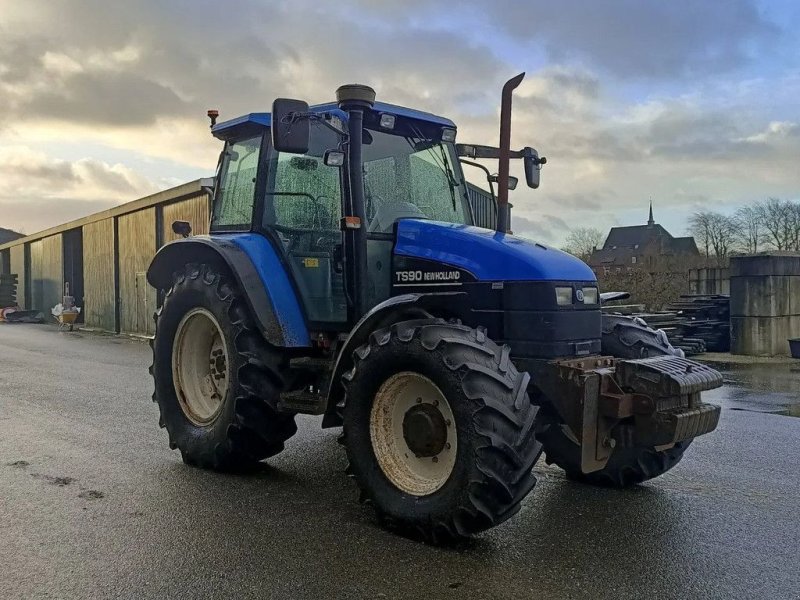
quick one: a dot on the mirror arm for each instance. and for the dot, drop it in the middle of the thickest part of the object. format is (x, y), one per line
(464, 161)
(489, 152)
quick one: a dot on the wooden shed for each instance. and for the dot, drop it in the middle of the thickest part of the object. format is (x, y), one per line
(104, 258)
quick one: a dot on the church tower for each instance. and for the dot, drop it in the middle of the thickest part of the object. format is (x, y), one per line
(650, 221)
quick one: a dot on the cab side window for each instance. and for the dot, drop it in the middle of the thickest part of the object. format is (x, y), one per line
(307, 193)
(233, 206)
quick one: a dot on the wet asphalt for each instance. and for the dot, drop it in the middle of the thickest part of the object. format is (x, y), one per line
(94, 505)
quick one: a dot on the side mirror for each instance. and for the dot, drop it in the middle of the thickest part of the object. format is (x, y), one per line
(333, 158)
(512, 181)
(291, 132)
(533, 164)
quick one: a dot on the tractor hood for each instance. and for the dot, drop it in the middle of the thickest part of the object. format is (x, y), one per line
(488, 255)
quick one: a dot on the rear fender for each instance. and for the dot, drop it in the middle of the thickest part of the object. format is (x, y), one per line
(258, 271)
(393, 310)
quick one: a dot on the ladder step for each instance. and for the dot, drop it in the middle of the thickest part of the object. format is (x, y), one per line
(305, 402)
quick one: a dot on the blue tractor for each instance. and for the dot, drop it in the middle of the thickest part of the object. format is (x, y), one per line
(343, 277)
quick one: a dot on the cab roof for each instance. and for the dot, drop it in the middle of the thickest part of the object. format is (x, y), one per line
(233, 127)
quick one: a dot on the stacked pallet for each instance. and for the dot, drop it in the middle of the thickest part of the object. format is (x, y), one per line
(8, 290)
(706, 317)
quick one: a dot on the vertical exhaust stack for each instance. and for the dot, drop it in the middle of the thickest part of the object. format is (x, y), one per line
(355, 99)
(503, 208)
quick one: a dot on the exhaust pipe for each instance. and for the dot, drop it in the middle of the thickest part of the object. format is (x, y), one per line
(503, 208)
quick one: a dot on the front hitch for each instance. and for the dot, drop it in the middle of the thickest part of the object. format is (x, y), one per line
(650, 402)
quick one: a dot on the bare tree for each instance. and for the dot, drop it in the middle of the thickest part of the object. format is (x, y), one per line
(777, 218)
(715, 232)
(662, 283)
(795, 226)
(749, 230)
(582, 241)
(700, 228)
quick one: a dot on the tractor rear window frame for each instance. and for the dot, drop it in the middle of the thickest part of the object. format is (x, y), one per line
(248, 224)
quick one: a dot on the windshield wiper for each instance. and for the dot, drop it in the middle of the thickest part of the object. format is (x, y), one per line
(444, 165)
(451, 178)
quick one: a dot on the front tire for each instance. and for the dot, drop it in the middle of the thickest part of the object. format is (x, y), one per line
(631, 337)
(625, 467)
(216, 379)
(439, 429)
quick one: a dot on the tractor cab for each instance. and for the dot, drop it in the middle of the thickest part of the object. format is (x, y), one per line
(298, 200)
(336, 233)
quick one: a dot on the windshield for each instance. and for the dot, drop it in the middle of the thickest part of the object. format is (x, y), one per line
(409, 176)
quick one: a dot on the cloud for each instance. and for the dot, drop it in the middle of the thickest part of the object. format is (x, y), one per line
(39, 190)
(26, 216)
(634, 39)
(546, 229)
(626, 99)
(105, 99)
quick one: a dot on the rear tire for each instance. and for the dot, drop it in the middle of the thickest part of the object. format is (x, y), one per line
(492, 438)
(236, 424)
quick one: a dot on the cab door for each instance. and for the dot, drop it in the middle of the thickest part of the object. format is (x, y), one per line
(302, 209)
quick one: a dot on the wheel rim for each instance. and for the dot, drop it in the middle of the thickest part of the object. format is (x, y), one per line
(200, 366)
(413, 433)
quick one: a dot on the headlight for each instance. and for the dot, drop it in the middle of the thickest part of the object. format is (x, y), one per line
(448, 135)
(563, 296)
(590, 295)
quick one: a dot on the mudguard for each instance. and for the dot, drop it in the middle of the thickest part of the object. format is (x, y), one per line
(258, 271)
(397, 308)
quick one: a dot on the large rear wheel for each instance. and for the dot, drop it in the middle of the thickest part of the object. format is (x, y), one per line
(439, 429)
(216, 379)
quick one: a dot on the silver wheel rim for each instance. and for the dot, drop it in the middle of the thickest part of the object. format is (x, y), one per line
(200, 366)
(397, 398)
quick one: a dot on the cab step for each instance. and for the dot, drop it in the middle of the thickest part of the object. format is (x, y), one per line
(309, 401)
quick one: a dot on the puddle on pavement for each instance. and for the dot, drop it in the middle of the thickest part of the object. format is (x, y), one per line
(759, 387)
(793, 410)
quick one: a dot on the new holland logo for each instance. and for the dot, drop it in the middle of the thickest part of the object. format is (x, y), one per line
(407, 278)
(579, 295)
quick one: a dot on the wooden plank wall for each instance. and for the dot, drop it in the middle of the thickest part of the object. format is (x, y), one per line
(52, 272)
(98, 275)
(195, 210)
(35, 276)
(137, 245)
(18, 267)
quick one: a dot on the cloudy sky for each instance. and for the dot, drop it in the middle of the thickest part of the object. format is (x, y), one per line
(692, 102)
